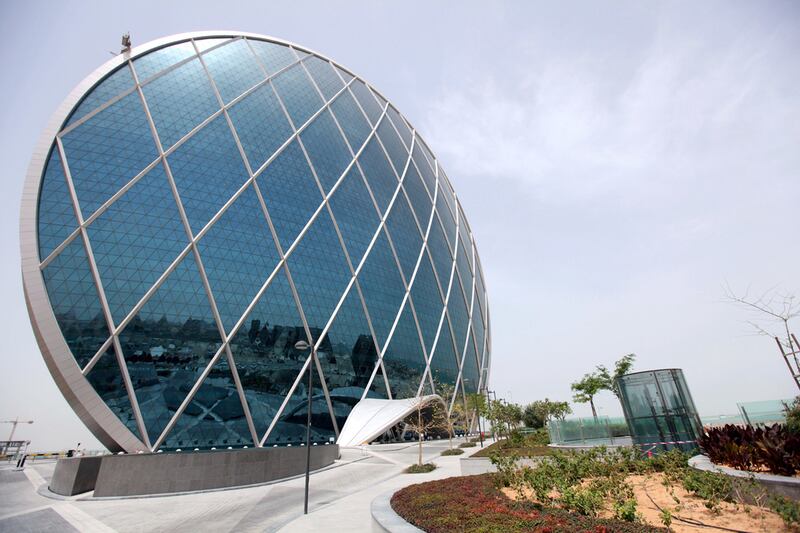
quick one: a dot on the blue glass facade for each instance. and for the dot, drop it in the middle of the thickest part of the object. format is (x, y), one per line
(209, 203)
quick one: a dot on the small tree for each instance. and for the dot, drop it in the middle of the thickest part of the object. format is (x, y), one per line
(586, 389)
(476, 406)
(456, 417)
(538, 413)
(421, 424)
(621, 367)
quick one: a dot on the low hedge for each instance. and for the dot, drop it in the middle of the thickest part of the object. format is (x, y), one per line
(453, 451)
(473, 504)
(467, 445)
(421, 469)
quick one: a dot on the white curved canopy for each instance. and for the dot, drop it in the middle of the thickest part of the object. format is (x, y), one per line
(370, 418)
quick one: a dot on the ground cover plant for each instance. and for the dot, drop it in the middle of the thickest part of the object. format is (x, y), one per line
(774, 449)
(533, 444)
(453, 451)
(424, 468)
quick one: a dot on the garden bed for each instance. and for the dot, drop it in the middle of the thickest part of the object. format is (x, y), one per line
(476, 504)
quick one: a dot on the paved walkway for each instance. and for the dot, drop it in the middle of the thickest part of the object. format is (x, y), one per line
(340, 498)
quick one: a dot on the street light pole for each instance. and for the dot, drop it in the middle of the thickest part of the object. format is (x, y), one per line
(302, 346)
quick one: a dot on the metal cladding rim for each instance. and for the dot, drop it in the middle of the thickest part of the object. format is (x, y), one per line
(71, 381)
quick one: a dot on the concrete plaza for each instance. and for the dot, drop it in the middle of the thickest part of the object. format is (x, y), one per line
(340, 498)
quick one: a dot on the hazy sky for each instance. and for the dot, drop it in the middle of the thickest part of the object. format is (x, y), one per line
(618, 163)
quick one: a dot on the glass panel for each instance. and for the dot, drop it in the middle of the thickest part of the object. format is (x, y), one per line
(367, 101)
(214, 418)
(179, 101)
(446, 191)
(397, 152)
(298, 94)
(106, 379)
(207, 169)
(234, 69)
(403, 359)
(326, 149)
(291, 427)
(205, 44)
(420, 200)
(320, 272)
(135, 240)
(327, 80)
(263, 349)
(382, 287)
(112, 85)
(478, 329)
(424, 169)
(470, 370)
(442, 260)
(378, 387)
(427, 301)
(168, 344)
(345, 75)
(382, 181)
(238, 256)
(405, 235)
(401, 125)
(154, 62)
(480, 289)
(76, 304)
(273, 56)
(459, 318)
(109, 149)
(56, 215)
(447, 220)
(355, 214)
(260, 124)
(347, 355)
(290, 192)
(463, 267)
(444, 363)
(351, 119)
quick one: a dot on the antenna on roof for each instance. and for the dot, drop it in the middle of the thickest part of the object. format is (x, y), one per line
(126, 42)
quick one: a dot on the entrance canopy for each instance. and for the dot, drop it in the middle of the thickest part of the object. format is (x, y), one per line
(371, 418)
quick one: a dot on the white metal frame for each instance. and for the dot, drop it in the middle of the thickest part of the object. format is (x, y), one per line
(71, 379)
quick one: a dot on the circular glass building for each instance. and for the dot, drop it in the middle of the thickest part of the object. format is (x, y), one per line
(200, 204)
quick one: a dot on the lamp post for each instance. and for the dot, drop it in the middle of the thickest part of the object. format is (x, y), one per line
(303, 346)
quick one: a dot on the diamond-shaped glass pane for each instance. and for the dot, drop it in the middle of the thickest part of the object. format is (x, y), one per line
(116, 83)
(273, 56)
(319, 270)
(459, 317)
(264, 352)
(419, 198)
(400, 125)
(470, 369)
(75, 302)
(233, 68)
(367, 101)
(405, 235)
(352, 121)
(290, 192)
(207, 169)
(382, 287)
(168, 344)
(298, 94)
(109, 149)
(446, 218)
(291, 426)
(326, 149)
(208, 43)
(378, 387)
(424, 168)
(427, 301)
(106, 379)
(442, 260)
(214, 418)
(260, 124)
(404, 359)
(327, 80)
(238, 255)
(355, 214)
(154, 62)
(347, 355)
(179, 101)
(444, 363)
(135, 240)
(382, 180)
(394, 147)
(56, 213)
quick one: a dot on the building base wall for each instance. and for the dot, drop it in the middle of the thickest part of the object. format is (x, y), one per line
(166, 473)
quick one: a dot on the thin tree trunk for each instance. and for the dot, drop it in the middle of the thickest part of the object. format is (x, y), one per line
(419, 434)
(594, 411)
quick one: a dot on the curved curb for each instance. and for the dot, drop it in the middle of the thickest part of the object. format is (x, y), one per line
(385, 519)
(788, 486)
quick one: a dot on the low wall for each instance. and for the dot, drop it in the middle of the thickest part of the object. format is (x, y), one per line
(471, 466)
(165, 473)
(783, 485)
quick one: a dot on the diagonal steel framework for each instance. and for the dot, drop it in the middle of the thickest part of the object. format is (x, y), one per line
(446, 282)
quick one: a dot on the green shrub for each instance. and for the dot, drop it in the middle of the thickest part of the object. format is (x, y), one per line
(788, 510)
(420, 469)
(793, 416)
(453, 451)
(467, 445)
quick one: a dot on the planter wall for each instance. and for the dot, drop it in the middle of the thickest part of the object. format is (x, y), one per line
(782, 485)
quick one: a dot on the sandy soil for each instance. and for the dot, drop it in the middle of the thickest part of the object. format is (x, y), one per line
(737, 517)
